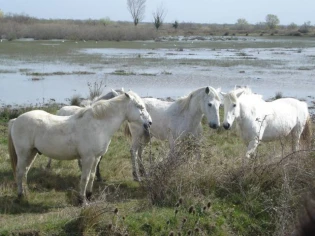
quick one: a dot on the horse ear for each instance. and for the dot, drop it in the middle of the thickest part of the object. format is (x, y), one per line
(223, 94)
(114, 92)
(127, 95)
(122, 89)
(207, 90)
(239, 93)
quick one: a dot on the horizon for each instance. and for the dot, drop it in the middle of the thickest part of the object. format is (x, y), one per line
(199, 11)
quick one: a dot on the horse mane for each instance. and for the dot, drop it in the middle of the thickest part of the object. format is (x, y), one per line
(100, 109)
(232, 95)
(184, 102)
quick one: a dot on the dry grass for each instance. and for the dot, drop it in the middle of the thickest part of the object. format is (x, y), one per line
(19, 26)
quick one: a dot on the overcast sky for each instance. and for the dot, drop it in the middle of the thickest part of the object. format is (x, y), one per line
(198, 11)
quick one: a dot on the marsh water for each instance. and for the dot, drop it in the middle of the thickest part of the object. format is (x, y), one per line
(33, 72)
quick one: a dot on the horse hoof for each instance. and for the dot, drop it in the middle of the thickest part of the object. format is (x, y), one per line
(88, 196)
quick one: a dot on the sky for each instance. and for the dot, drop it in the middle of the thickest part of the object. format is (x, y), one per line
(194, 11)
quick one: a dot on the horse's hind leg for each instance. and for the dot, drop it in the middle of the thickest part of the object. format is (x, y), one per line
(25, 160)
(48, 163)
(98, 173)
(87, 164)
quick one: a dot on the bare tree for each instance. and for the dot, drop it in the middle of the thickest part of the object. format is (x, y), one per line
(136, 9)
(159, 16)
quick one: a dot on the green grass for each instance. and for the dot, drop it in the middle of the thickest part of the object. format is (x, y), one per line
(221, 194)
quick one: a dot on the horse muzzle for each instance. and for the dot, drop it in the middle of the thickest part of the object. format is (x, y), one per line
(226, 126)
(213, 125)
(146, 126)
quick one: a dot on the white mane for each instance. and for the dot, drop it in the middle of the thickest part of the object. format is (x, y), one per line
(246, 94)
(184, 102)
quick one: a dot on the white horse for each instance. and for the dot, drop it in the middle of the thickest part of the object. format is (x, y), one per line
(173, 120)
(259, 120)
(109, 95)
(70, 110)
(85, 135)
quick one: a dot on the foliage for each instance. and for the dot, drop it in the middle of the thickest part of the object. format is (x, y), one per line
(158, 16)
(175, 24)
(137, 9)
(242, 23)
(272, 21)
(96, 88)
(292, 26)
(105, 21)
(75, 100)
(305, 28)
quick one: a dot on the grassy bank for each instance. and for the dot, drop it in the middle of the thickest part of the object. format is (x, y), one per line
(216, 193)
(21, 26)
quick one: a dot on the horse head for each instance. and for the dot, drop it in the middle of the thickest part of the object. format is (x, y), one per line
(138, 112)
(231, 107)
(211, 105)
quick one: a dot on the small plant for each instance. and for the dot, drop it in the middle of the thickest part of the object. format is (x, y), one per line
(75, 100)
(175, 24)
(96, 88)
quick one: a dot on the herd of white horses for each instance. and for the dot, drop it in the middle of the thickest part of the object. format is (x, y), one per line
(84, 133)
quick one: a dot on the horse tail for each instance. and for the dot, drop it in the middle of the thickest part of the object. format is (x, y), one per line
(127, 131)
(306, 135)
(12, 151)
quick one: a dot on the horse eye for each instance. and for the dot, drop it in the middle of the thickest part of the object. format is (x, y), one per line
(210, 104)
(234, 105)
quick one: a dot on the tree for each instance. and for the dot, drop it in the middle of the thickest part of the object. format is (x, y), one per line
(272, 21)
(242, 23)
(175, 25)
(1, 14)
(136, 9)
(159, 16)
(305, 28)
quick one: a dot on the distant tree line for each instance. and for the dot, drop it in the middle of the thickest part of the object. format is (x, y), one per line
(14, 26)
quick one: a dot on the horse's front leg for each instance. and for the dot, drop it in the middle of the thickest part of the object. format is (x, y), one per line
(87, 164)
(134, 159)
(252, 147)
(253, 144)
(89, 187)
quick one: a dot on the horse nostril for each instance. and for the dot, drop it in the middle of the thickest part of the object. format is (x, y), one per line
(213, 126)
(150, 123)
(226, 126)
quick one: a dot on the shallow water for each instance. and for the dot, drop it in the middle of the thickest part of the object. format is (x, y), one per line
(162, 72)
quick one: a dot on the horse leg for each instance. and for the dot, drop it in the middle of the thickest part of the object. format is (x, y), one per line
(87, 164)
(98, 173)
(48, 163)
(140, 162)
(25, 160)
(134, 159)
(89, 187)
(253, 144)
(296, 135)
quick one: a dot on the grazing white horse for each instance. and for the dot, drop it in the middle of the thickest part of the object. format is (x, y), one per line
(109, 95)
(85, 135)
(259, 120)
(70, 110)
(173, 120)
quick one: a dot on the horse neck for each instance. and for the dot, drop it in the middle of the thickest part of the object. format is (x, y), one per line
(247, 106)
(118, 114)
(193, 110)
